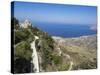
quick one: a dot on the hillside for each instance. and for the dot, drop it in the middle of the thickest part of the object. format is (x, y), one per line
(82, 50)
(37, 51)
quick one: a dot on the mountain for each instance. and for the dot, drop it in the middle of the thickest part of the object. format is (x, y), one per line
(37, 51)
(82, 50)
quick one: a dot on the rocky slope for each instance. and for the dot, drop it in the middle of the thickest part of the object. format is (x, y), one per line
(82, 50)
(51, 53)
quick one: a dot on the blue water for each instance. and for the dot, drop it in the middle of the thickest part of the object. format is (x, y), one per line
(65, 30)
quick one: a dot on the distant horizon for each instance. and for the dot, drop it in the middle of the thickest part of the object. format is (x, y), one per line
(55, 13)
(34, 22)
(59, 19)
(66, 30)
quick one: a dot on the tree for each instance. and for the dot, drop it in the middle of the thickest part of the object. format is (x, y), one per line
(14, 23)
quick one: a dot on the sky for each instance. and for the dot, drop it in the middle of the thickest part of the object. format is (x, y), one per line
(56, 13)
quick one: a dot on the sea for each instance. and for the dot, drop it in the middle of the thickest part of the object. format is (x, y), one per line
(65, 30)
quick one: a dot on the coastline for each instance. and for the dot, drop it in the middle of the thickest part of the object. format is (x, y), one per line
(84, 36)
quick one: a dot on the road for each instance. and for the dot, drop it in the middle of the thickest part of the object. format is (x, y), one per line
(35, 56)
(68, 56)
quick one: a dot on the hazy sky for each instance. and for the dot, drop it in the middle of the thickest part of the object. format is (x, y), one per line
(56, 13)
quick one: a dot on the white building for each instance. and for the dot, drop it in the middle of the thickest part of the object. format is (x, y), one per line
(25, 24)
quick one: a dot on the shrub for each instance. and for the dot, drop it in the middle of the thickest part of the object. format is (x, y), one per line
(23, 50)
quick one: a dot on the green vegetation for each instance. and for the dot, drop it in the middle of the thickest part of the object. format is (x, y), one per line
(88, 65)
(81, 51)
(23, 50)
(64, 67)
(23, 35)
(57, 59)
